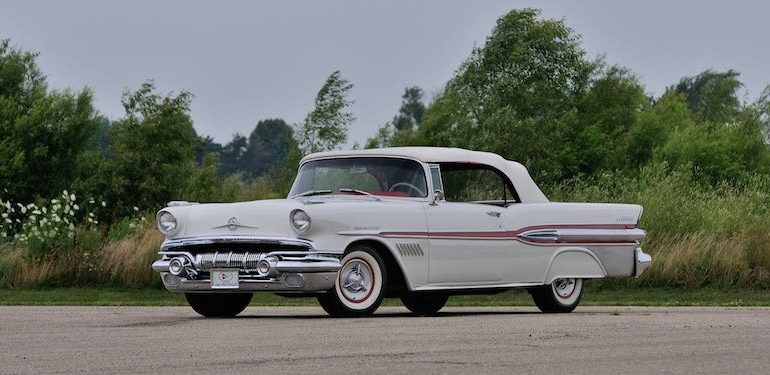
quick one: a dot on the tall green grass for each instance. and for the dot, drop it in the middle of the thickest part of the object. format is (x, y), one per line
(698, 235)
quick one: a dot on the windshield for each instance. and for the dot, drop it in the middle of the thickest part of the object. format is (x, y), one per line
(363, 176)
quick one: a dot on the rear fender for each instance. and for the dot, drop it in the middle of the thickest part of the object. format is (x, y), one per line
(574, 262)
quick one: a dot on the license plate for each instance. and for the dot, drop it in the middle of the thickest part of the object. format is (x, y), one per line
(224, 279)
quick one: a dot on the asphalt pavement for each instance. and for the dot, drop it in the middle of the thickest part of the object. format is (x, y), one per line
(302, 340)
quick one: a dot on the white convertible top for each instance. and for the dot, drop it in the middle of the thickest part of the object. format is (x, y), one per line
(517, 173)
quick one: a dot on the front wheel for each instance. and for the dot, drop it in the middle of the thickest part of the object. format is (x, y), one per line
(360, 285)
(562, 296)
(424, 303)
(218, 305)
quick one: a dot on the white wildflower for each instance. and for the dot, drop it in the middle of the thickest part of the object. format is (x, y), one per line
(8, 221)
(36, 212)
(76, 207)
(65, 194)
(23, 209)
(44, 210)
(72, 196)
(90, 214)
(5, 215)
(71, 227)
(104, 204)
(136, 208)
(91, 201)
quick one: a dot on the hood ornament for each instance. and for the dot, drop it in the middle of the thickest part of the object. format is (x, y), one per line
(233, 224)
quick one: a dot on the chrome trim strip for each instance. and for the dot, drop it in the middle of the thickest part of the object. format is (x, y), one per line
(484, 286)
(583, 235)
(169, 244)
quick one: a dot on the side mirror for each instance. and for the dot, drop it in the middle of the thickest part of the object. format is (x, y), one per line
(438, 195)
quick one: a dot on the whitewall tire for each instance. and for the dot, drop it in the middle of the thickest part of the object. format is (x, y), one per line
(360, 285)
(561, 296)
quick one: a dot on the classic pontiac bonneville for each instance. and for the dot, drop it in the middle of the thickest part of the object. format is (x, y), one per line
(417, 223)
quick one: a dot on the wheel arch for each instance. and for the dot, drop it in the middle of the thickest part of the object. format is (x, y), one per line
(397, 279)
(574, 262)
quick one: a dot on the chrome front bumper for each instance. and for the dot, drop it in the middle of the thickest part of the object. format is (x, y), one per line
(262, 264)
(293, 282)
(642, 261)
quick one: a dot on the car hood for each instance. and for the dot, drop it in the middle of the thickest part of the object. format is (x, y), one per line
(263, 217)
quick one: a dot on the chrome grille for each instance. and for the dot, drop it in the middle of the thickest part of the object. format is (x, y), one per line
(227, 259)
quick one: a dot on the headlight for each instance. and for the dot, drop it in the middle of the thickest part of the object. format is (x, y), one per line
(300, 221)
(166, 223)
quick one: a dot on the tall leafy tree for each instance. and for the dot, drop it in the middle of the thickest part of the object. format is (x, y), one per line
(712, 96)
(153, 147)
(409, 116)
(269, 144)
(42, 132)
(326, 126)
(515, 95)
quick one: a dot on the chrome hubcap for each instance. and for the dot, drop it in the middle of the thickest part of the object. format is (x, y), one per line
(564, 287)
(356, 278)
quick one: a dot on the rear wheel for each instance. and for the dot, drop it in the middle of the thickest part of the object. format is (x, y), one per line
(562, 296)
(218, 305)
(360, 285)
(424, 303)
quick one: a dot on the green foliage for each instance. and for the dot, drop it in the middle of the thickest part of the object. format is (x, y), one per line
(153, 149)
(712, 96)
(517, 95)
(326, 126)
(42, 132)
(410, 113)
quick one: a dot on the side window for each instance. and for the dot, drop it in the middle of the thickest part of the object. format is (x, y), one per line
(475, 183)
(435, 175)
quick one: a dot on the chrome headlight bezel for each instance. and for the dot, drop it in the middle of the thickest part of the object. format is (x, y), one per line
(300, 221)
(166, 222)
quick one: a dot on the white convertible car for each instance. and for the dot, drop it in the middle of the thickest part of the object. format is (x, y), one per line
(417, 223)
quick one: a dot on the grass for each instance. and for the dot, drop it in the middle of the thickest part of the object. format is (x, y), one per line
(596, 297)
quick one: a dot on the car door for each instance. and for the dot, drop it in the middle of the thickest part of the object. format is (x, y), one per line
(467, 243)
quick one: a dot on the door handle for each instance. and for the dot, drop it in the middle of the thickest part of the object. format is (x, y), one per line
(493, 213)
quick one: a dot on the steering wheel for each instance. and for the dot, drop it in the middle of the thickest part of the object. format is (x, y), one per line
(410, 186)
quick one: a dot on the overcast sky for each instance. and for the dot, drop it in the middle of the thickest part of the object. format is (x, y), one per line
(247, 61)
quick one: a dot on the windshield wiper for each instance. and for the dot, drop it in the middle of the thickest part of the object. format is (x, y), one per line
(310, 192)
(347, 190)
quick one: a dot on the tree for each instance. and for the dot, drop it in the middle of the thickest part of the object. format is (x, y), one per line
(712, 96)
(409, 116)
(43, 132)
(269, 144)
(516, 95)
(326, 126)
(207, 146)
(153, 148)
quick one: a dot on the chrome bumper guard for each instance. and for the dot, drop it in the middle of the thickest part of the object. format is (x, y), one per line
(642, 261)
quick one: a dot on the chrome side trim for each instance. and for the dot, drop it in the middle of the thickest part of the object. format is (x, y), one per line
(482, 286)
(583, 235)
(170, 244)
